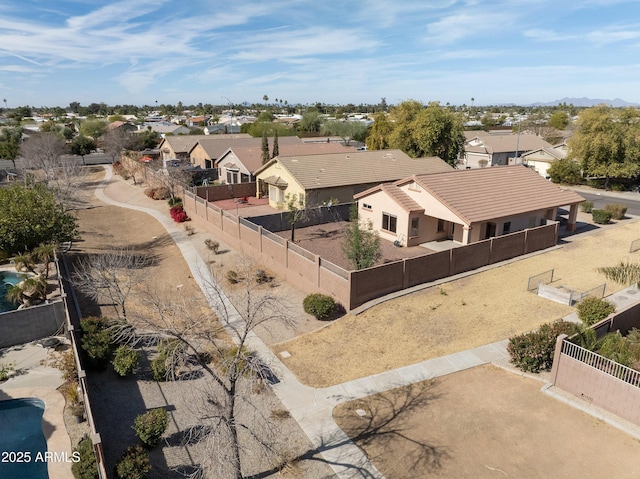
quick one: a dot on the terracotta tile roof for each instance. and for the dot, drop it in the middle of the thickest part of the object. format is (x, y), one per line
(354, 168)
(483, 194)
(401, 198)
(251, 156)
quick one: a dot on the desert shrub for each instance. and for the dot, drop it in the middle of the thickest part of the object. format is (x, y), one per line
(601, 217)
(617, 210)
(233, 277)
(134, 464)
(125, 360)
(533, 352)
(319, 305)
(5, 370)
(263, 277)
(212, 245)
(159, 368)
(97, 341)
(178, 214)
(66, 362)
(161, 193)
(86, 467)
(586, 206)
(592, 309)
(120, 170)
(175, 200)
(150, 426)
(190, 230)
(150, 192)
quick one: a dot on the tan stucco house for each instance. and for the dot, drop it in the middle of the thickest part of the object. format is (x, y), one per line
(337, 176)
(482, 149)
(209, 149)
(239, 163)
(540, 160)
(464, 205)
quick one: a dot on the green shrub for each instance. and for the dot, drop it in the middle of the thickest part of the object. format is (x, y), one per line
(168, 350)
(601, 217)
(617, 210)
(586, 206)
(125, 360)
(319, 305)
(97, 341)
(592, 309)
(150, 426)
(176, 200)
(134, 464)
(86, 467)
(565, 171)
(533, 352)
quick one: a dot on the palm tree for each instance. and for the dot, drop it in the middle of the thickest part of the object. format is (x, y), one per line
(24, 262)
(14, 294)
(45, 254)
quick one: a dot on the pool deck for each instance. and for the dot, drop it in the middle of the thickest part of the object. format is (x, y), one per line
(37, 380)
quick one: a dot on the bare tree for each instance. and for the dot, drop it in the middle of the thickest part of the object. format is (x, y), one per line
(111, 276)
(117, 140)
(42, 152)
(233, 430)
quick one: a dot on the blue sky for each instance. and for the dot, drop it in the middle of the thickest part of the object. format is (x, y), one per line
(142, 51)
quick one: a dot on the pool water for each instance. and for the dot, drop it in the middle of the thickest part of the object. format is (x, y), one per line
(21, 433)
(8, 279)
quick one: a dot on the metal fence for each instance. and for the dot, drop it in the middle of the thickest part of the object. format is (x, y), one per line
(607, 366)
(335, 269)
(597, 292)
(544, 278)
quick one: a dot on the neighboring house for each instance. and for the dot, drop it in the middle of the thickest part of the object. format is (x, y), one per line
(178, 147)
(464, 205)
(238, 164)
(541, 159)
(165, 130)
(483, 149)
(122, 126)
(337, 176)
(210, 148)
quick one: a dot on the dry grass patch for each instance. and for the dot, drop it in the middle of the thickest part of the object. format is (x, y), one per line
(462, 314)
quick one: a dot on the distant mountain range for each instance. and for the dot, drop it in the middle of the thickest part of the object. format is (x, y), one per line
(586, 102)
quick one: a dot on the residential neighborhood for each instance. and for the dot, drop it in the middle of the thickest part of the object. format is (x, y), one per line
(258, 242)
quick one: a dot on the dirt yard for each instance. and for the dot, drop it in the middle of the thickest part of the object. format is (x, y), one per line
(326, 241)
(479, 309)
(116, 402)
(485, 423)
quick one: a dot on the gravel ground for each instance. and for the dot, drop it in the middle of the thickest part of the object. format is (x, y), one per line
(116, 402)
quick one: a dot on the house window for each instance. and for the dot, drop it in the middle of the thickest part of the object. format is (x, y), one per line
(366, 206)
(506, 228)
(389, 222)
(440, 226)
(532, 221)
(244, 178)
(415, 223)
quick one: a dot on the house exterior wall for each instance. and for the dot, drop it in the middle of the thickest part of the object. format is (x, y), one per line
(199, 157)
(380, 204)
(237, 175)
(293, 187)
(540, 166)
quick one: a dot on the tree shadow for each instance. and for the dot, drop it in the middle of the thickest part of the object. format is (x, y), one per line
(380, 425)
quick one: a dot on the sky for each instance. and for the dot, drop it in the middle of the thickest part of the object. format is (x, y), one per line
(141, 52)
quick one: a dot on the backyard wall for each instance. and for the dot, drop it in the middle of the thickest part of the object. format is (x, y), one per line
(29, 324)
(317, 216)
(312, 274)
(225, 192)
(595, 379)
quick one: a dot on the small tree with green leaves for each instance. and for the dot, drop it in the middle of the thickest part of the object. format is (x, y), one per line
(276, 148)
(125, 360)
(296, 211)
(361, 246)
(82, 146)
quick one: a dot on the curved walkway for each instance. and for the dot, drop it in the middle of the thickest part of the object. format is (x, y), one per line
(311, 407)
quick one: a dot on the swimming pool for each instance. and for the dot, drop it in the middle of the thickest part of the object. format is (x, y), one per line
(8, 279)
(22, 441)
